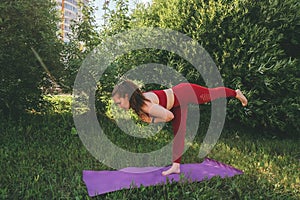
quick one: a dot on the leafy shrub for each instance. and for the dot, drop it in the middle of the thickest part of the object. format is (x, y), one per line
(250, 42)
(25, 25)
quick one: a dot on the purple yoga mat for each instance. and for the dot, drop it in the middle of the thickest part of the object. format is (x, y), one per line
(101, 182)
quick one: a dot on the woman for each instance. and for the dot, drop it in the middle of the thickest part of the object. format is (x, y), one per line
(169, 105)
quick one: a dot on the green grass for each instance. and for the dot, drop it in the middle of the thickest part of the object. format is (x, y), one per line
(42, 158)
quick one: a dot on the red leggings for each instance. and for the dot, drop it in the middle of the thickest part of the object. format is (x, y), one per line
(187, 93)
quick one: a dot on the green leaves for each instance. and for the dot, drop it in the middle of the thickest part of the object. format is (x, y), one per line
(25, 25)
(73, 131)
(251, 43)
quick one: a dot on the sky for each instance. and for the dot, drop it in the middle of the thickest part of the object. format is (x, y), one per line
(99, 4)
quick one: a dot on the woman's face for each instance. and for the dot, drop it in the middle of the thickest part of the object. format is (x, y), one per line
(122, 102)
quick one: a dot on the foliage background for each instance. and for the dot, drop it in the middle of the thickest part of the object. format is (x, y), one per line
(255, 45)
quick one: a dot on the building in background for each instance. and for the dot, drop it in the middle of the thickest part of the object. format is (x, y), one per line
(70, 11)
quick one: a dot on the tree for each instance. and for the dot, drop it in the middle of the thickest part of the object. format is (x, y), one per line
(84, 38)
(26, 25)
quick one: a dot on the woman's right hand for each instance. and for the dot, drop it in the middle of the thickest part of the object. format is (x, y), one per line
(145, 118)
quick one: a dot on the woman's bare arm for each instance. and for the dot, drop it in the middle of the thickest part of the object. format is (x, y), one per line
(159, 113)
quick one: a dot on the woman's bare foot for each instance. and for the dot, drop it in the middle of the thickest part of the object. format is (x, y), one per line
(241, 97)
(175, 169)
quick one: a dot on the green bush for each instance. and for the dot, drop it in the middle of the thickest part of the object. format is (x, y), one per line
(250, 42)
(26, 25)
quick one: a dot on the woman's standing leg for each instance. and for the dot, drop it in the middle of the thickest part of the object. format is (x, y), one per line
(179, 130)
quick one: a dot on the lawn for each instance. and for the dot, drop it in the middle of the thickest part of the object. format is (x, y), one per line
(42, 157)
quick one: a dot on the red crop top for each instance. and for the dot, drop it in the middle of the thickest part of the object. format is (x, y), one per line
(162, 96)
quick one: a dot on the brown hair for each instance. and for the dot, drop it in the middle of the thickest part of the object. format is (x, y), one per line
(136, 100)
